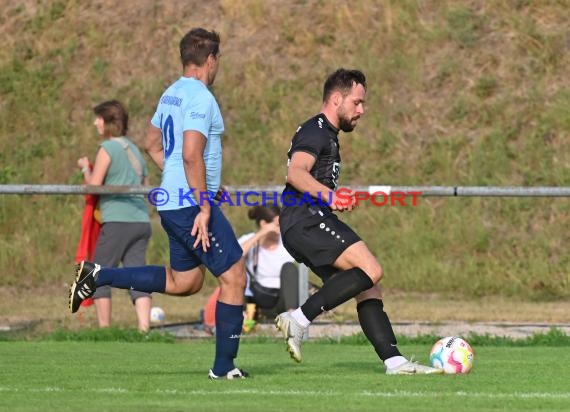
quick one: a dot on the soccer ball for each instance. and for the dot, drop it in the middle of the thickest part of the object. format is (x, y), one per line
(156, 315)
(452, 354)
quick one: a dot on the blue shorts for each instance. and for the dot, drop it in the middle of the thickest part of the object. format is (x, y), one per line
(224, 248)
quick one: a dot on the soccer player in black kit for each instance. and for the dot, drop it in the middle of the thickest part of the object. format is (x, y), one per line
(314, 235)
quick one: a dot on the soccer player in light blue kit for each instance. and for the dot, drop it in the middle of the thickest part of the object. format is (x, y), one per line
(184, 140)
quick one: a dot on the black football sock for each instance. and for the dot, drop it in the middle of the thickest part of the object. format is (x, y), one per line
(377, 328)
(338, 289)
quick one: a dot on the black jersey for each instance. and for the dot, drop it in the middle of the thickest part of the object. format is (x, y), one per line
(319, 138)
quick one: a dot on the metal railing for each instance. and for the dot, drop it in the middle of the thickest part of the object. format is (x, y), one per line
(442, 191)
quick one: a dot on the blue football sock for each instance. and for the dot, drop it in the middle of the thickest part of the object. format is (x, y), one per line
(229, 322)
(143, 278)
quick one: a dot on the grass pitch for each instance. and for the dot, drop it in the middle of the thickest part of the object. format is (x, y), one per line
(123, 376)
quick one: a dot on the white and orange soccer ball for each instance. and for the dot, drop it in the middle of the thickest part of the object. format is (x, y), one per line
(452, 354)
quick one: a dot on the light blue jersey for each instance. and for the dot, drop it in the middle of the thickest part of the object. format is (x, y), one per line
(188, 105)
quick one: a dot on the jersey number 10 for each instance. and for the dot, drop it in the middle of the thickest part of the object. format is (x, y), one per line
(167, 135)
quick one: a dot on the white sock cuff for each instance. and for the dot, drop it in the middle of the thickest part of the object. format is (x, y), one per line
(394, 362)
(300, 317)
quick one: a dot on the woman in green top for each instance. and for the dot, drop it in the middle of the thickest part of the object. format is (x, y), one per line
(125, 229)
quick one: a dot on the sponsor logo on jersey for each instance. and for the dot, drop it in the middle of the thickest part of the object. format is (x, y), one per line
(196, 115)
(171, 100)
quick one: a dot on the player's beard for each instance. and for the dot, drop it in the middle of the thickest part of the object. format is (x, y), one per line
(345, 123)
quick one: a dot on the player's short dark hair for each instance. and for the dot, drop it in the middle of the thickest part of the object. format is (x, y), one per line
(115, 117)
(197, 45)
(342, 80)
(264, 212)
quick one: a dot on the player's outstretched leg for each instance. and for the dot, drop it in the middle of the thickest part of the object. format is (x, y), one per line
(91, 275)
(292, 332)
(84, 285)
(338, 289)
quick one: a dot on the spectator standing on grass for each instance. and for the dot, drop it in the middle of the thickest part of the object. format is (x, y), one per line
(315, 236)
(125, 229)
(184, 140)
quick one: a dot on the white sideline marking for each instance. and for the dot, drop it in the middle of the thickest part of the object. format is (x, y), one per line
(394, 394)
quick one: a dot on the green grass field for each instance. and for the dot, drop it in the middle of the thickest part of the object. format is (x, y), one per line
(125, 376)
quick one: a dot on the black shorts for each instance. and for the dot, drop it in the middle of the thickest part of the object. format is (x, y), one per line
(317, 238)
